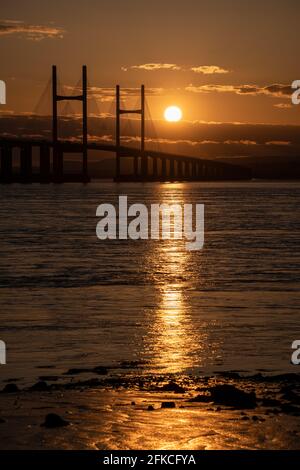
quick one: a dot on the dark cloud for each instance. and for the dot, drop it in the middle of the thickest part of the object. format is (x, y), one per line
(33, 32)
(196, 139)
(275, 90)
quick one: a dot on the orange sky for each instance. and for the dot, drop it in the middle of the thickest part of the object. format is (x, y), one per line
(200, 55)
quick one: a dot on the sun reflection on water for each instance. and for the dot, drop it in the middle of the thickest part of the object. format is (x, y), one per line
(172, 343)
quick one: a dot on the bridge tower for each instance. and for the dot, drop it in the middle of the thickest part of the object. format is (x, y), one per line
(141, 112)
(57, 147)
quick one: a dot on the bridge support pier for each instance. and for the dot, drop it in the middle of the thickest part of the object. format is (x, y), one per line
(58, 164)
(136, 167)
(154, 163)
(187, 169)
(144, 166)
(163, 168)
(179, 169)
(172, 168)
(44, 163)
(26, 164)
(194, 169)
(6, 164)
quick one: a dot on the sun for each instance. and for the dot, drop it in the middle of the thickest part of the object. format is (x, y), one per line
(173, 114)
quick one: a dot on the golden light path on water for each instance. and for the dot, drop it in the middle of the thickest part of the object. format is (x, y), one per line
(172, 341)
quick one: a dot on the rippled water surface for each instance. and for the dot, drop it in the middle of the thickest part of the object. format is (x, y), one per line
(70, 300)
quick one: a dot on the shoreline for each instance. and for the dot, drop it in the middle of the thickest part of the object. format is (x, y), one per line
(110, 413)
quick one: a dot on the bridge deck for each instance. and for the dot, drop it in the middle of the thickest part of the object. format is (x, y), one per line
(165, 166)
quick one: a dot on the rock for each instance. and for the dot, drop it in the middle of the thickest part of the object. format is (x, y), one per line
(172, 387)
(270, 402)
(40, 386)
(10, 388)
(76, 371)
(287, 408)
(133, 403)
(290, 395)
(229, 375)
(100, 370)
(245, 418)
(131, 364)
(258, 418)
(53, 420)
(49, 378)
(168, 404)
(200, 399)
(275, 411)
(229, 395)
(150, 408)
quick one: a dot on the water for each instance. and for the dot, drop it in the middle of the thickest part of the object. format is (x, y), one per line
(70, 300)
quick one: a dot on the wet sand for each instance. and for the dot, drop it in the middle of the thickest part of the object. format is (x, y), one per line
(128, 413)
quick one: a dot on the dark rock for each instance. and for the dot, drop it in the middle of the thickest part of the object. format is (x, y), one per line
(172, 387)
(100, 370)
(76, 371)
(49, 378)
(200, 399)
(287, 408)
(83, 383)
(150, 408)
(10, 388)
(131, 364)
(168, 404)
(258, 418)
(275, 411)
(40, 386)
(229, 375)
(2, 421)
(290, 395)
(53, 420)
(270, 402)
(245, 418)
(133, 403)
(229, 395)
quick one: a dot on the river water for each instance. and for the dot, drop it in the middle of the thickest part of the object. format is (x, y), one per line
(69, 300)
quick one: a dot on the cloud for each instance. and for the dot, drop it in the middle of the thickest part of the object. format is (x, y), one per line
(279, 142)
(153, 67)
(209, 69)
(275, 90)
(240, 142)
(32, 32)
(204, 69)
(283, 106)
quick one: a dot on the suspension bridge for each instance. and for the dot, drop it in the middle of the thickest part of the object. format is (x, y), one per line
(146, 164)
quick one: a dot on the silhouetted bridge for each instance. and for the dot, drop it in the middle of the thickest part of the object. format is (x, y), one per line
(159, 166)
(148, 165)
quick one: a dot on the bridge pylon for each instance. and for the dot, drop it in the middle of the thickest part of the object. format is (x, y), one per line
(58, 148)
(141, 112)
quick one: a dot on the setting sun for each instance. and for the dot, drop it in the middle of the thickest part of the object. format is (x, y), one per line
(173, 114)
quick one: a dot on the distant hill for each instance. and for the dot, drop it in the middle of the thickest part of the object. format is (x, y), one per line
(268, 167)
